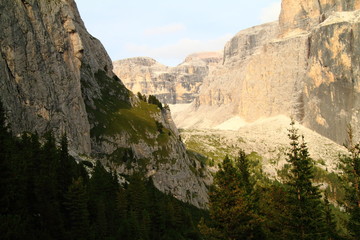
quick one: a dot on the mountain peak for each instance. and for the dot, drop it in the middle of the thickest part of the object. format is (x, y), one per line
(304, 15)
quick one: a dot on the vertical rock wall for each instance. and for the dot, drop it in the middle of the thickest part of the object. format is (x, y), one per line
(307, 67)
(171, 85)
(54, 76)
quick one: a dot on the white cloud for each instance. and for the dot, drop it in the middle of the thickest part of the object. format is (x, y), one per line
(177, 52)
(271, 13)
(167, 29)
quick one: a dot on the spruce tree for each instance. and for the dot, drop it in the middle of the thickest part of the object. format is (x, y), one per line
(304, 199)
(76, 204)
(331, 233)
(350, 166)
(244, 171)
(67, 166)
(145, 225)
(5, 161)
(274, 209)
(233, 208)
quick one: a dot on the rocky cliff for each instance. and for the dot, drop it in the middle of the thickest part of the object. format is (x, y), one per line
(54, 76)
(42, 50)
(331, 84)
(303, 15)
(306, 66)
(170, 85)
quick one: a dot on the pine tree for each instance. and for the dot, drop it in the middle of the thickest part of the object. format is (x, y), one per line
(275, 210)
(350, 166)
(46, 188)
(66, 168)
(243, 166)
(5, 171)
(98, 189)
(331, 233)
(153, 100)
(306, 210)
(76, 204)
(13, 213)
(145, 225)
(103, 188)
(158, 213)
(251, 197)
(137, 194)
(232, 205)
(208, 232)
(32, 157)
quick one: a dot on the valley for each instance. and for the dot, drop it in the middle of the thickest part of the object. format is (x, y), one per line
(257, 141)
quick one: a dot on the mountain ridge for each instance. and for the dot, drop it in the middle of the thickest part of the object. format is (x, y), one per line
(170, 85)
(56, 77)
(304, 66)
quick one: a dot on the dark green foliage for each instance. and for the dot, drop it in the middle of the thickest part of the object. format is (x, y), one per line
(233, 203)
(305, 219)
(66, 163)
(153, 100)
(330, 224)
(111, 112)
(159, 127)
(45, 194)
(34, 194)
(246, 205)
(6, 145)
(167, 107)
(350, 166)
(103, 111)
(122, 155)
(103, 187)
(274, 210)
(243, 166)
(142, 97)
(335, 188)
(76, 209)
(146, 213)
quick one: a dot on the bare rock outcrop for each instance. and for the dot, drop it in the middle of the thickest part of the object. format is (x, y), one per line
(303, 15)
(307, 67)
(331, 84)
(55, 76)
(40, 61)
(170, 85)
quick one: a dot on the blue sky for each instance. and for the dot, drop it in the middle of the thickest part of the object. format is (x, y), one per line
(167, 30)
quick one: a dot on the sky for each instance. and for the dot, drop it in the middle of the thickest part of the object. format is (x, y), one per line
(168, 30)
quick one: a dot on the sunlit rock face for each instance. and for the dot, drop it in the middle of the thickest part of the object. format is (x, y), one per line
(44, 44)
(55, 76)
(331, 84)
(306, 66)
(170, 85)
(330, 94)
(303, 15)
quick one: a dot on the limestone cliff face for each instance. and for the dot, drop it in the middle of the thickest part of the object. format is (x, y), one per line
(332, 88)
(54, 76)
(259, 77)
(307, 67)
(42, 48)
(227, 83)
(247, 42)
(170, 85)
(303, 15)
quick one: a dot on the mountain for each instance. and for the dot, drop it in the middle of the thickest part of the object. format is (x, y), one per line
(304, 66)
(170, 85)
(55, 76)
